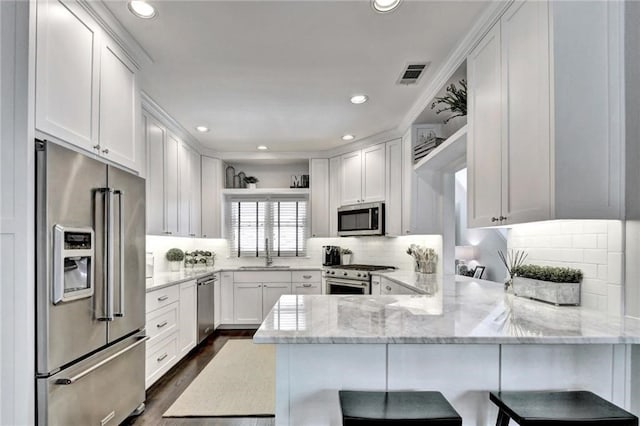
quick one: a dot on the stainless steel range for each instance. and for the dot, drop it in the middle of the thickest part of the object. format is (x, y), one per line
(351, 279)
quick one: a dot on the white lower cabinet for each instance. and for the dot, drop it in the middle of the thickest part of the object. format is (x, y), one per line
(247, 301)
(227, 302)
(217, 301)
(172, 327)
(307, 288)
(271, 292)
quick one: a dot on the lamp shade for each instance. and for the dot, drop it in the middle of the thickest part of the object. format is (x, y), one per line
(466, 253)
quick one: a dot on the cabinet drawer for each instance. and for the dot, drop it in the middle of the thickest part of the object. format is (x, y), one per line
(389, 287)
(307, 288)
(306, 276)
(162, 322)
(262, 277)
(160, 358)
(163, 297)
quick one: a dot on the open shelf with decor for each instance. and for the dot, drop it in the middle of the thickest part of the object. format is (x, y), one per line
(446, 156)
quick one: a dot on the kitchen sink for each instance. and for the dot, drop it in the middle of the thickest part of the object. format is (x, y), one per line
(258, 268)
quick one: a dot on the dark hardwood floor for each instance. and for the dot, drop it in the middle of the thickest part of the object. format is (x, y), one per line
(168, 388)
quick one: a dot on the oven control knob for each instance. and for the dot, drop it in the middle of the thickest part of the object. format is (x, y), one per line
(345, 274)
(359, 275)
(332, 272)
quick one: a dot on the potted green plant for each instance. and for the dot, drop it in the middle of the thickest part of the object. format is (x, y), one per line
(560, 286)
(454, 101)
(175, 256)
(251, 181)
(346, 256)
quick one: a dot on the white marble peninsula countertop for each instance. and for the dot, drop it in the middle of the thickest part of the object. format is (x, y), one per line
(455, 310)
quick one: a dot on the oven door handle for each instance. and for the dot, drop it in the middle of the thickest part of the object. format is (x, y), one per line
(349, 283)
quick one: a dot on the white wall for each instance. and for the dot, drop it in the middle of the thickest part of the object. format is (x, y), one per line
(593, 246)
(17, 344)
(369, 250)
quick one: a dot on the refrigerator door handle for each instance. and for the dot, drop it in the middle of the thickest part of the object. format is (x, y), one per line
(118, 193)
(107, 270)
(73, 379)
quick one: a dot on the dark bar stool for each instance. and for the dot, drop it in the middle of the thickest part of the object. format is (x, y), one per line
(559, 409)
(362, 408)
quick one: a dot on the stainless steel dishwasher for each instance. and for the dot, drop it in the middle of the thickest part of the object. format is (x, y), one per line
(205, 307)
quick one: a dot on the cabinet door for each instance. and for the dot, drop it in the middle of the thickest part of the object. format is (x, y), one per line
(119, 108)
(211, 183)
(271, 292)
(526, 174)
(319, 169)
(171, 185)
(307, 288)
(67, 52)
(194, 207)
(155, 138)
(184, 185)
(389, 287)
(351, 188)
(226, 298)
(217, 301)
(335, 179)
(484, 146)
(373, 173)
(393, 198)
(247, 298)
(188, 329)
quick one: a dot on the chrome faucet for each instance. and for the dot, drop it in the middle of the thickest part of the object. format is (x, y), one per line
(268, 259)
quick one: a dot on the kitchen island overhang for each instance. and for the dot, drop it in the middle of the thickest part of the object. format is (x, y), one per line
(464, 339)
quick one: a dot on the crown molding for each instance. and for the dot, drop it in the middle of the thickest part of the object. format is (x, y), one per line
(489, 17)
(153, 108)
(110, 24)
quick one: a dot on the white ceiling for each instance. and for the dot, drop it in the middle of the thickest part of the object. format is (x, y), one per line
(280, 73)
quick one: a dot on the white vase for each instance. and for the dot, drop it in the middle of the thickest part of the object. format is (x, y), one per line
(346, 259)
(251, 185)
(174, 266)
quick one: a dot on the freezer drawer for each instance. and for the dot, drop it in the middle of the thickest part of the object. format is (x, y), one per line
(101, 390)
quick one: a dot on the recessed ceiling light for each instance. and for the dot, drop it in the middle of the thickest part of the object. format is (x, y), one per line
(142, 9)
(262, 148)
(348, 137)
(359, 99)
(385, 5)
(202, 129)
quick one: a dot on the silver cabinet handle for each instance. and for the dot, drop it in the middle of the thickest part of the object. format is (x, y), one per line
(97, 147)
(495, 219)
(162, 357)
(88, 371)
(105, 151)
(118, 193)
(162, 324)
(306, 285)
(388, 288)
(307, 277)
(192, 235)
(168, 232)
(162, 298)
(502, 218)
(107, 273)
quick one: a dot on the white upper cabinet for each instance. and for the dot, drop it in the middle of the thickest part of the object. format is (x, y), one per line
(393, 198)
(335, 183)
(155, 136)
(363, 175)
(171, 185)
(67, 72)
(87, 93)
(319, 171)
(195, 208)
(546, 83)
(212, 182)
(484, 161)
(119, 108)
(184, 189)
(351, 188)
(373, 173)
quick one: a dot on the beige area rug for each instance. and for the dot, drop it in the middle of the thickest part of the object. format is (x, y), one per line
(238, 381)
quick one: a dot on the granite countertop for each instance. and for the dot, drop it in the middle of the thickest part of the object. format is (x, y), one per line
(166, 279)
(458, 310)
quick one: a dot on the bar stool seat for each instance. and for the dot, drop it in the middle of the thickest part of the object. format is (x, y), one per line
(559, 409)
(365, 408)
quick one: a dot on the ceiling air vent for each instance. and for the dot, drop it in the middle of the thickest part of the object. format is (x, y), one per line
(412, 73)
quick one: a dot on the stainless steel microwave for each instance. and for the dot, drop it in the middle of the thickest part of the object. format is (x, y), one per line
(361, 219)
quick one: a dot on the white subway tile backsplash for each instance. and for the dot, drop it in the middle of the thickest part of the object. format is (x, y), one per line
(614, 266)
(598, 256)
(614, 300)
(593, 246)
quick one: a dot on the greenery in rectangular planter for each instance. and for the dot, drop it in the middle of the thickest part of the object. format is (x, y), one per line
(549, 273)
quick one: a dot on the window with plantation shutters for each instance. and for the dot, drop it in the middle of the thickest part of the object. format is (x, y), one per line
(282, 221)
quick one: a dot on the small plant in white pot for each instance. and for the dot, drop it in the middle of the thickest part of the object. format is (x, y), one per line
(346, 256)
(251, 182)
(175, 256)
(560, 286)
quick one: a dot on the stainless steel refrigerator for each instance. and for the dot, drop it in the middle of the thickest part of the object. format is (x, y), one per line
(90, 289)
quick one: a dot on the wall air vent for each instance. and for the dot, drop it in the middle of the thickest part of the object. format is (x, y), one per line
(412, 73)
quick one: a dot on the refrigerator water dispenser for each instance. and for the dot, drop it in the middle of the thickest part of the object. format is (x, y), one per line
(73, 265)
